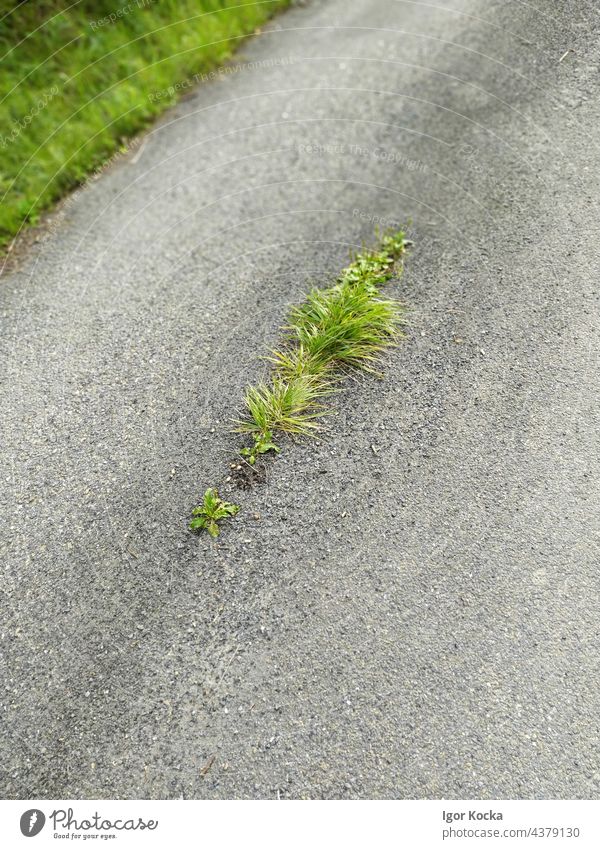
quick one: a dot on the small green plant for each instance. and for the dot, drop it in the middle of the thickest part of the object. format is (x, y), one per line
(208, 514)
(263, 442)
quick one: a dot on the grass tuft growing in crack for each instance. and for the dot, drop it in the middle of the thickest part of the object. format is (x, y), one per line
(287, 405)
(345, 327)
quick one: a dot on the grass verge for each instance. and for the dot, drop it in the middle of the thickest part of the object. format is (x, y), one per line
(77, 80)
(344, 327)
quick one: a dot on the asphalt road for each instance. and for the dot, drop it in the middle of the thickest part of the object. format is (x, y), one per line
(415, 612)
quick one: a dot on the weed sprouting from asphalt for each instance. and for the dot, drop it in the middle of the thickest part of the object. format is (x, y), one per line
(345, 327)
(212, 510)
(288, 405)
(263, 442)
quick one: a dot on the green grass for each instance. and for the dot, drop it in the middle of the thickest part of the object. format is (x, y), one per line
(347, 326)
(73, 91)
(290, 406)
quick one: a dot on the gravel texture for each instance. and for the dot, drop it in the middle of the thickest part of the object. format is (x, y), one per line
(408, 608)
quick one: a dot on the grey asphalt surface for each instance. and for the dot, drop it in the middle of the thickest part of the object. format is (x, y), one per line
(415, 612)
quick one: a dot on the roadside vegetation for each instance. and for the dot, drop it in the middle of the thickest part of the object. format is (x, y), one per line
(78, 80)
(344, 327)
